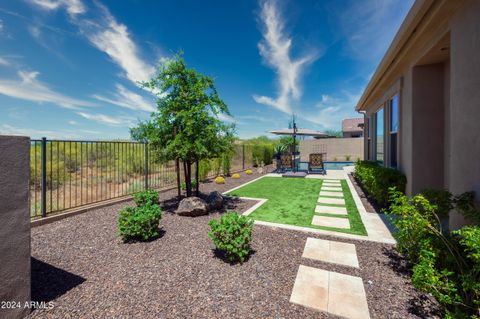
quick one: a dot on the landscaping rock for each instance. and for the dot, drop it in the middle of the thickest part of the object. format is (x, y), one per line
(192, 206)
(215, 200)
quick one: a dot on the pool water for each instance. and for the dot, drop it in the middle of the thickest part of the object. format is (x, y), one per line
(303, 166)
(337, 165)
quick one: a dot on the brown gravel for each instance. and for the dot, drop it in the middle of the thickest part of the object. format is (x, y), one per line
(82, 266)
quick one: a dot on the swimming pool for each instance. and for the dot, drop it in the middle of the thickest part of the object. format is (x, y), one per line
(332, 166)
(337, 165)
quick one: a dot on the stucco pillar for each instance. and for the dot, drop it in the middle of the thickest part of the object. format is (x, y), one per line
(14, 226)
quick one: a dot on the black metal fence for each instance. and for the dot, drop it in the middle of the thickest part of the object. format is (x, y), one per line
(68, 174)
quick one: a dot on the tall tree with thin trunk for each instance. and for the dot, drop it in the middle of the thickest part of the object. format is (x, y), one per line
(185, 126)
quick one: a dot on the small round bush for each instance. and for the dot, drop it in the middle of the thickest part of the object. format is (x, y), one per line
(146, 197)
(248, 172)
(219, 180)
(236, 176)
(232, 234)
(139, 223)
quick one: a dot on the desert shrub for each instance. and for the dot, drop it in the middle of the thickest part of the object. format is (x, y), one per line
(232, 234)
(183, 186)
(348, 157)
(377, 180)
(236, 176)
(146, 197)
(248, 172)
(220, 180)
(204, 167)
(444, 264)
(139, 223)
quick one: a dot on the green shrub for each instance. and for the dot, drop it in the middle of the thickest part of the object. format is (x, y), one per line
(146, 197)
(139, 223)
(377, 180)
(204, 167)
(183, 186)
(444, 264)
(232, 234)
(441, 198)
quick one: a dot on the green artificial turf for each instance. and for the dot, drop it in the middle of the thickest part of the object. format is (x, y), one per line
(292, 201)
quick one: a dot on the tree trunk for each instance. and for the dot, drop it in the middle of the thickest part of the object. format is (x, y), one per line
(197, 186)
(187, 179)
(177, 168)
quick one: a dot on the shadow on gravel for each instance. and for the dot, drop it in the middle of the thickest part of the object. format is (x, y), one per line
(420, 305)
(50, 282)
(220, 254)
(161, 233)
(424, 306)
(397, 262)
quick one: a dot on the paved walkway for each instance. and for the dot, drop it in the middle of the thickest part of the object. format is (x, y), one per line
(331, 193)
(327, 291)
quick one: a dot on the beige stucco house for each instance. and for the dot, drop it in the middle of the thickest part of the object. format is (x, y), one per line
(422, 105)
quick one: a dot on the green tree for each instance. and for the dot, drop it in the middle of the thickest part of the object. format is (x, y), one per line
(185, 126)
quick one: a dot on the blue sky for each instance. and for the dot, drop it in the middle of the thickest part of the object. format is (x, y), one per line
(68, 68)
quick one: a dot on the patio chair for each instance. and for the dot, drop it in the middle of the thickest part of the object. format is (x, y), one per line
(285, 161)
(315, 163)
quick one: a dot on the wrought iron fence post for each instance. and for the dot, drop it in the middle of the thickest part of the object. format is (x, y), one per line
(146, 165)
(243, 156)
(44, 177)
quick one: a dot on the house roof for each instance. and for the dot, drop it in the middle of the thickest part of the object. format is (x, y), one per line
(352, 125)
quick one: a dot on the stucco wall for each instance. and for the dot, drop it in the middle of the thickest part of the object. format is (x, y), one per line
(428, 127)
(464, 138)
(336, 148)
(14, 224)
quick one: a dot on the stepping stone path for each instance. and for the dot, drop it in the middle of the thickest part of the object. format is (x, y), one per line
(329, 200)
(331, 221)
(331, 292)
(334, 194)
(331, 210)
(331, 193)
(331, 252)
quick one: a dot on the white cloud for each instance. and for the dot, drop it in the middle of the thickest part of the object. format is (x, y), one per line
(1, 26)
(226, 118)
(114, 39)
(128, 99)
(31, 89)
(107, 119)
(73, 7)
(275, 50)
(106, 34)
(34, 133)
(4, 62)
(72, 122)
(331, 110)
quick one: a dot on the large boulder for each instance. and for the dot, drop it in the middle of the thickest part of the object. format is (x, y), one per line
(215, 200)
(192, 206)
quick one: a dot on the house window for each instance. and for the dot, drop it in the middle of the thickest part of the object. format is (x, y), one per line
(379, 128)
(393, 125)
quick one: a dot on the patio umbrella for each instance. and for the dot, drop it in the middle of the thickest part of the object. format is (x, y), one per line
(300, 132)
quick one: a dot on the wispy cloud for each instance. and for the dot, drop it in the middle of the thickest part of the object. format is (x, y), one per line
(106, 34)
(275, 49)
(114, 39)
(4, 62)
(128, 99)
(29, 88)
(36, 133)
(107, 119)
(369, 26)
(329, 111)
(73, 7)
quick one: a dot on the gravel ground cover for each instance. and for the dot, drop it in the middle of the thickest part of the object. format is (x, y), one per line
(81, 265)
